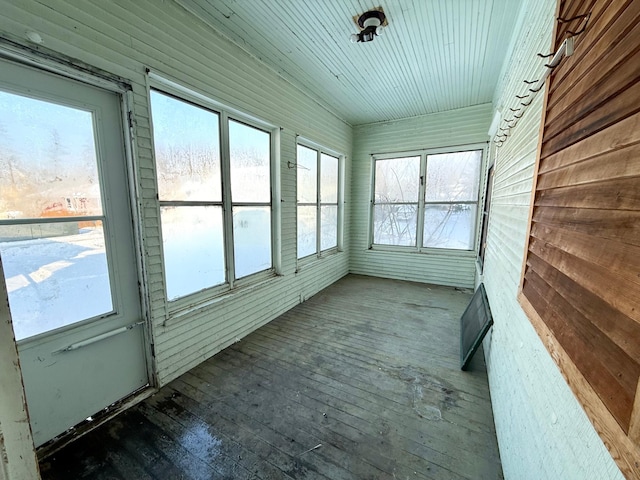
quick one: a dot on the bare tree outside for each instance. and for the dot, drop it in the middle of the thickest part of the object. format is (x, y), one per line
(450, 200)
(397, 184)
(188, 159)
(451, 196)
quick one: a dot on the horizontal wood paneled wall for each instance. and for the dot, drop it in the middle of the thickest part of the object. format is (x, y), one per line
(581, 282)
(123, 38)
(457, 127)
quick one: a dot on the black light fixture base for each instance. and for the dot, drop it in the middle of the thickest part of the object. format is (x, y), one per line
(371, 23)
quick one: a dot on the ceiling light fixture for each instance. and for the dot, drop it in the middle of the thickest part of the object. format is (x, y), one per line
(372, 24)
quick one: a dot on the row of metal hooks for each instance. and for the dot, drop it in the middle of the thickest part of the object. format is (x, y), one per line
(534, 86)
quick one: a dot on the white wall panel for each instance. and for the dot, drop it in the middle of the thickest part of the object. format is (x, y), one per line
(543, 432)
(124, 38)
(448, 129)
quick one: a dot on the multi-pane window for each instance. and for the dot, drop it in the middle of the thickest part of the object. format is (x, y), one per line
(318, 184)
(426, 200)
(214, 187)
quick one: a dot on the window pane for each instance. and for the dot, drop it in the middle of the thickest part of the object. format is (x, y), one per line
(395, 224)
(250, 151)
(453, 177)
(187, 148)
(193, 249)
(307, 175)
(48, 165)
(251, 239)
(397, 180)
(306, 230)
(328, 227)
(328, 179)
(449, 226)
(56, 274)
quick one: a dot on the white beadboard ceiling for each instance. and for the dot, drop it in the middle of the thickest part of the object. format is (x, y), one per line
(435, 55)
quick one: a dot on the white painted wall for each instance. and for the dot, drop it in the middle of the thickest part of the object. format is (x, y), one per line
(17, 454)
(543, 432)
(123, 38)
(456, 127)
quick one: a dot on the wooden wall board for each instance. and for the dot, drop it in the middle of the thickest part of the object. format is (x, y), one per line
(616, 193)
(622, 258)
(619, 75)
(570, 10)
(603, 16)
(634, 428)
(623, 450)
(620, 163)
(597, 358)
(581, 286)
(620, 135)
(600, 280)
(620, 328)
(623, 226)
(606, 114)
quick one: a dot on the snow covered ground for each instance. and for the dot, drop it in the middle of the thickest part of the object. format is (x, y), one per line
(56, 281)
(60, 280)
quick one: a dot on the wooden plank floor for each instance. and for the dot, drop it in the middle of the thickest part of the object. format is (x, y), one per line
(367, 371)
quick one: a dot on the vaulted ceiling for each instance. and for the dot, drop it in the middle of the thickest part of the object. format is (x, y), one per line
(435, 55)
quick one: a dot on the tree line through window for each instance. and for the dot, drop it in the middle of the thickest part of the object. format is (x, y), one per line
(426, 200)
(214, 188)
(318, 182)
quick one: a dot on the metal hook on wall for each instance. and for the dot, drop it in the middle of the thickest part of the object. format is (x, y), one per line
(534, 86)
(584, 17)
(528, 103)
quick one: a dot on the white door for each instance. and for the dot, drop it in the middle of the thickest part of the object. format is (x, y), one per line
(66, 240)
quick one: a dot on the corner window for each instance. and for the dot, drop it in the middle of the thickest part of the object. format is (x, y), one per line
(318, 206)
(214, 188)
(427, 200)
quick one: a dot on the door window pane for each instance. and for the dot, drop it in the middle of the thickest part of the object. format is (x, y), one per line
(56, 274)
(449, 226)
(250, 154)
(193, 249)
(251, 239)
(306, 230)
(48, 164)
(395, 224)
(187, 149)
(453, 177)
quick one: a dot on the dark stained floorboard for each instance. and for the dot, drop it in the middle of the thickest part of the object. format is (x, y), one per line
(368, 369)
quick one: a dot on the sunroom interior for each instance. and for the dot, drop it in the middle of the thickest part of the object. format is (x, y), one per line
(229, 210)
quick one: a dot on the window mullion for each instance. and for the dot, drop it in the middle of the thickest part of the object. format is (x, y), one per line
(227, 206)
(372, 200)
(421, 196)
(318, 207)
(340, 205)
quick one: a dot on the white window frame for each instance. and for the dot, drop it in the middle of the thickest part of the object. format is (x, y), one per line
(200, 298)
(320, 150)
(423, 154)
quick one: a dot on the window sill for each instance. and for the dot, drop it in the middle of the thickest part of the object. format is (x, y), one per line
(311, 260)
(423, 251)
(197, 302)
